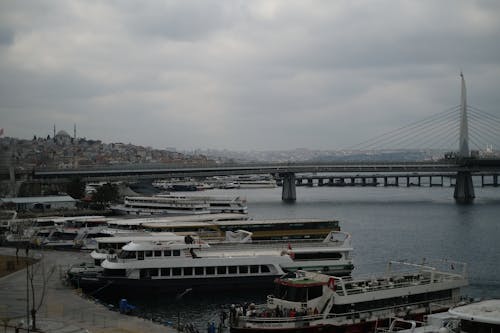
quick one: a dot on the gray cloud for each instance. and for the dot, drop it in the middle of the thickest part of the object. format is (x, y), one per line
(239, 74)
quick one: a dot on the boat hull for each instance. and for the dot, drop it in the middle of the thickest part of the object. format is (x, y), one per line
(131, 286)
(365, 327)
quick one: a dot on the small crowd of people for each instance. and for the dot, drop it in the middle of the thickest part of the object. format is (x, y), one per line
(249, 310)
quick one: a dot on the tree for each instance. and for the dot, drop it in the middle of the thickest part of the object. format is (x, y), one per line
(76, 188)
(36, 272)
(105, 194)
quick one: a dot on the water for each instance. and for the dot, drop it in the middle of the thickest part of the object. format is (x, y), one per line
(385, 223)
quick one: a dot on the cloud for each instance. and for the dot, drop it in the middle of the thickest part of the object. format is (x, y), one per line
(239, 74)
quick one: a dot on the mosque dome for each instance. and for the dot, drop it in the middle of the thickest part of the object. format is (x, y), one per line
(63, 134)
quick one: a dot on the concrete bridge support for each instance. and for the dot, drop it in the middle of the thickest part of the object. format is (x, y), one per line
(288, 193)
(464, 189)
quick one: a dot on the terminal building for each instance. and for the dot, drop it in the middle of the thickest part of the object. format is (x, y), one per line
(40, 203)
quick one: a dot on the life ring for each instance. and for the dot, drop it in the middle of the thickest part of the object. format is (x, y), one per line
(331, 283)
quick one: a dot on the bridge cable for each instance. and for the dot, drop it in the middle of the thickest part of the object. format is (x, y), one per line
(422, 122)
(416, 132)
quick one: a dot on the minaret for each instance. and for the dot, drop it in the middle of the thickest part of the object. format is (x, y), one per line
(54, 131)
(463, 149)
(74, 132)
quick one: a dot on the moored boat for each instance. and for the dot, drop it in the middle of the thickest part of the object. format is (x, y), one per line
(312, 302)
(170, 204)
(476, 317)
(173, 264)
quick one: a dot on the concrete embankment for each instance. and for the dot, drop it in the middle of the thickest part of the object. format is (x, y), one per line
(63, 310)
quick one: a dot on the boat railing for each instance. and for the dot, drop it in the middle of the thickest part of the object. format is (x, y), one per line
(283, 244)
(363, 314)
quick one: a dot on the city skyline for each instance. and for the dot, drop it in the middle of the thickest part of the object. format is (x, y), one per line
(261, 75)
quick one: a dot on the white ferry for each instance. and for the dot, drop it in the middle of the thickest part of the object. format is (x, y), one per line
(312, 302)
(478, 317)
(113, 245)
(180, 205)
(216, 204)
(176, 264)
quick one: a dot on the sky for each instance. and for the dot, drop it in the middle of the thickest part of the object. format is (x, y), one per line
(242, 74)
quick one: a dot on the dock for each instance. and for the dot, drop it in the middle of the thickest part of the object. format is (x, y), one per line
(64, 309)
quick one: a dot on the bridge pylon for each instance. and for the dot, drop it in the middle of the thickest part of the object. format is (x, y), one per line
(288, 193)
(464, 188)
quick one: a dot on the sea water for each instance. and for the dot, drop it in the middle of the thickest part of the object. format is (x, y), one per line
(386, 223)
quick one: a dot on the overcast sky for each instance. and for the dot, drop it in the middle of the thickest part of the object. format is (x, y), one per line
(242, 75)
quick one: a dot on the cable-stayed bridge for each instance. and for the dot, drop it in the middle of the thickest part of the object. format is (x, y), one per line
(452, 132)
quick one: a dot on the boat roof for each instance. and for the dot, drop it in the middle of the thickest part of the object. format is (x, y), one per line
(483, 312)
(144, 237)
(184, 218)
(202, 197)
(48, 198)
(162, 244)
(167, 224)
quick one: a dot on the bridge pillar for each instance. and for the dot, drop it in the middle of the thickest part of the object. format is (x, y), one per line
(288, 193)
(464, 189)
(320, 181)
(12, 178)
(495, 180)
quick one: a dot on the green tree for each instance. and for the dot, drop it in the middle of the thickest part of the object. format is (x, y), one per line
(76, 188)
(105, 194)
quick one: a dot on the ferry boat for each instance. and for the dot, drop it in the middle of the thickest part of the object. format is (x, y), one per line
(70, 232)
(216, 204)
(174, 265)
(312, 302)
(154, 205)
(180, 205)
(477, 317)
(36, 230)
(276, 229)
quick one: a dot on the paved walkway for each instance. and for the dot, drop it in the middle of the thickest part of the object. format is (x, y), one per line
(63, 309)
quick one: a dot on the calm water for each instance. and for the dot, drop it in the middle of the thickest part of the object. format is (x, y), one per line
(385, 223)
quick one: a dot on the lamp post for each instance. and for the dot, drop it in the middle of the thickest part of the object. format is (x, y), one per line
(178, 298)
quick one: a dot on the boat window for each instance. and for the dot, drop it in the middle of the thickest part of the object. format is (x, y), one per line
(314, 292)
(167, 253)
(177, 253)
(127, 255)
(114, 272)
(198, 270)
(165, 271)
(243, 269)
(221, 270)
(149, 253)
(140, 255)
(176, 271)
(188, 270)
(210, 270)
(290, 293)
(153, 272)
(318, 255)
(233, 269)
(254, 269)
(264, 269)
(157, 253)
(144, 273)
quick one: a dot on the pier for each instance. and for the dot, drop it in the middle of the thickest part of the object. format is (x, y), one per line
(64, 310)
